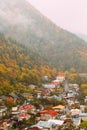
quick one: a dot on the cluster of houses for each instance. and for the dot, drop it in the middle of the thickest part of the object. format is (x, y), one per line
(55, 118)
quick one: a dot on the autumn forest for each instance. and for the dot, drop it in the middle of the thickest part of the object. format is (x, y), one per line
(19, 69)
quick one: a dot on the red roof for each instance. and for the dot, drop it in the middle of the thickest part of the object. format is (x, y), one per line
(44, 112)
(24, 115)
(27, 107)
(61, 74)
(55, 83)
(51, 112)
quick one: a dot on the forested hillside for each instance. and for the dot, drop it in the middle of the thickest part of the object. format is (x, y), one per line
(24, 24)
(20, 67)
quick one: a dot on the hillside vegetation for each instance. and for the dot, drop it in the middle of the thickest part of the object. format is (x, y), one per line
(23, 23)
(20, 68)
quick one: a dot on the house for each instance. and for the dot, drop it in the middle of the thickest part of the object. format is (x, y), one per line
(32, 86)
(46, 92)
(26, 95)
(14, 111)
(57, 122)
(50, 124)
(38, 93)
(48, 114)
(49, 86)
(56, 83)
(60, 77)
(45, 125)
(76, 121)
(59, 107)
(26, 107)
(14, 96)
(83, 116)
(70, 97)
(46, 78)
(56, 97)
(75, 86)
(3, 111)
(76, 111)
(85, 100)
(23, 116)
(2, 98)
(82, 107)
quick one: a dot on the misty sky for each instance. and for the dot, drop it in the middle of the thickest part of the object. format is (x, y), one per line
(69, 14)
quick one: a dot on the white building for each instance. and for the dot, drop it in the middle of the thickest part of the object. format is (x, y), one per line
(60, 77)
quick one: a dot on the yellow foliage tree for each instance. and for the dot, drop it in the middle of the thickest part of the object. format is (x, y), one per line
(9, 102)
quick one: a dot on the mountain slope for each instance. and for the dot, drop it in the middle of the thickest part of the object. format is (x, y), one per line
(83, 36)
(20, 67)
(23, 23)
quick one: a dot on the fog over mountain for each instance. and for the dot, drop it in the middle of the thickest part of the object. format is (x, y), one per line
(21, 22)
(83, 36)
